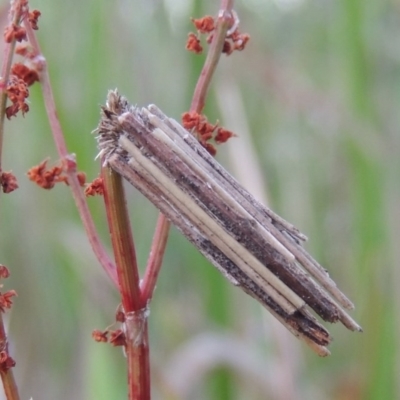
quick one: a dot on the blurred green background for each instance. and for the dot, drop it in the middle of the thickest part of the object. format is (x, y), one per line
(315, 101)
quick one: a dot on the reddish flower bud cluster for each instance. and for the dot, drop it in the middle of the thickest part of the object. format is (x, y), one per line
(17, 91)
(6, 297)
(95, 188)
(205, 131)
(21, 76)
(15, 31)
(47, 178)
(205, 24)
(8, 182)
(234, 39)
(116, 337)
(28, 75)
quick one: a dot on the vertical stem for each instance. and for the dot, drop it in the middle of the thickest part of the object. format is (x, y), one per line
(223, 23)
(139, 367)
(214, 53)
(135, 310)
(6, 374)
(122, 240)
(62, 150)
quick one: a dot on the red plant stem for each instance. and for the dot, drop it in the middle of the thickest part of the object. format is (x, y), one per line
(224, 21)
(160, 238)
(122, 240)
(5, 74)
(135, 325)
(139, 368)
(61, 146)
(7, 376)
(155, 259)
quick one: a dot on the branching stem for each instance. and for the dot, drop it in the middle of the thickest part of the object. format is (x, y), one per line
(59, 140)
(160, 238)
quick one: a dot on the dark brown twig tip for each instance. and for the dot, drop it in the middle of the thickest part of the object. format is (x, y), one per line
(8, 182)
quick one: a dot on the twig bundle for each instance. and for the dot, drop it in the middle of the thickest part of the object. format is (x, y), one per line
(253, 247)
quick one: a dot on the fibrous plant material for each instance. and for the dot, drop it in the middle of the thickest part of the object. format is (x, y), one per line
(253, 247)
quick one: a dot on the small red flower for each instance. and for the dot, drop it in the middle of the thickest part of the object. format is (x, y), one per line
(8, 182)
(46, 178)
(5, 299)
(33, 19)
(95, 188)
(240, 40)
(29, 76)
(223, 135)
(117, 338)
(100, 336)
(16, 32)
(205, 24)
(199, 123)
(205, 130)
(193, 43)
(191, 119)
(17, 91)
